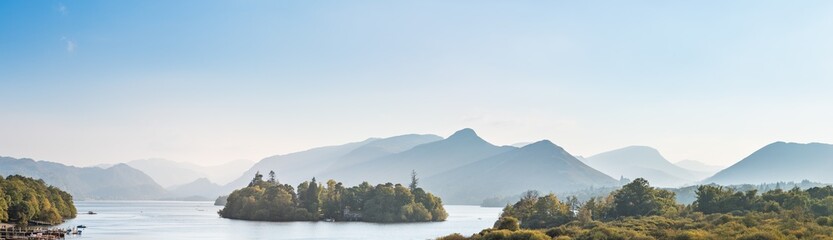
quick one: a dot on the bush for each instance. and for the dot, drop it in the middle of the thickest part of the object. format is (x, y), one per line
(823, 221)
(497, 235)
(692, 235)
(528, 235)
(562, 231)
(508, 223)
(454, 236)
(760, 236)
(609, 233)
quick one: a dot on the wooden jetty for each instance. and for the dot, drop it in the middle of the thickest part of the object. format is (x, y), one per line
(32, 233)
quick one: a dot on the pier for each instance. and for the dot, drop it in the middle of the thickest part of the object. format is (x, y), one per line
(34, 233)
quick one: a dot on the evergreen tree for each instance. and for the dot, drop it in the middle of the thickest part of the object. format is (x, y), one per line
(414, 181)
(272, 178)
(313, 198)
(257, 179)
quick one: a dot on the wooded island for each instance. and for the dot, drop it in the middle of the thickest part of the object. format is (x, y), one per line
(269, 200)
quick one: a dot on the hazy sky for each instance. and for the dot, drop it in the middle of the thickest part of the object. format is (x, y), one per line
(87, 82)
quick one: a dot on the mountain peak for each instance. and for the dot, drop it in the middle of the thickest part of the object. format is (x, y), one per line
(544, 147)
(642, 149)
(543, 144)
(793, 161)
(464, 133)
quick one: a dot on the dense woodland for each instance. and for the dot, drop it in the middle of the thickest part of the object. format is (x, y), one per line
(24, 199)
(269, 200)
(639, 211)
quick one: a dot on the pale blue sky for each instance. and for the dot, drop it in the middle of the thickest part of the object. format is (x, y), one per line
(86, 82)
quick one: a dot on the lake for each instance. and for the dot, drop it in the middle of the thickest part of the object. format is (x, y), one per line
(199, 220)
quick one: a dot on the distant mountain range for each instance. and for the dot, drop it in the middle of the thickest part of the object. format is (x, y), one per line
(119, 181)
(645, 162)
(170, 173)
(541, 166)
(461, 148)
(781, 161)
(462, 169)
(297, 167)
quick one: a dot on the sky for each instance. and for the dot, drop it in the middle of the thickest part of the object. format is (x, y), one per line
(90, 82)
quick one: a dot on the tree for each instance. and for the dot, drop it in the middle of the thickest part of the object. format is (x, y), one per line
(4, 206)
(313, 198)
(272, 178)
(257, 179)
(332, 202)
(638, 198)
(548, 212)
(414, 181)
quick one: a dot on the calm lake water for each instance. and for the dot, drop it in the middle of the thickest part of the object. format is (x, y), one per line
(199, 220)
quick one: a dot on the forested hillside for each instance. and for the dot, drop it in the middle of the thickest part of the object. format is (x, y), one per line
(24, 199)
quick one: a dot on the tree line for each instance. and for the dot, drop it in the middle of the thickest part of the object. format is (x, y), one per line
(269, 200)
(24, 199)
(639, 211)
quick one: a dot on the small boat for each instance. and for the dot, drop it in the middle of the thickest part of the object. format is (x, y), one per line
(91, 213)
(81, 226)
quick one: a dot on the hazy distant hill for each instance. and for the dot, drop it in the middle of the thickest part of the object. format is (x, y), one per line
(296, 167)
(202, 187)
(781, 161)
(540, 166)
(645, 162)
(382, 147)
(170, 173)
(117, 182)
(166, 172)
(461, 148)
(697, 166)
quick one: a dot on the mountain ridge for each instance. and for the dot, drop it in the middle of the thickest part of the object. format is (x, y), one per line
(781, 161)
(118, 182)
(645, 162)
(541, 166)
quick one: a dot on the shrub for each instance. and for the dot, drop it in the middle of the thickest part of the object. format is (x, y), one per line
(823, 221)
(508, 223)
(453, 236)
(760, 236)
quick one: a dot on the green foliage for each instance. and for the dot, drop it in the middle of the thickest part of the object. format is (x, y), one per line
(503, 234)
(272, 201)
(24, 199)
(453, 236)
(538, 212)
(638, 198)
(638, 211)
(508, 223)
(718, 199)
